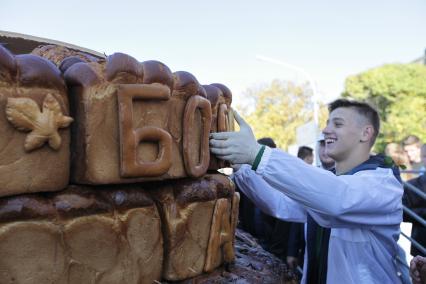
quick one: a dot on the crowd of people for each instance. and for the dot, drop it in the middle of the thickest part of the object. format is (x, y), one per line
(410, 153)
(407, 154)
(342, 217)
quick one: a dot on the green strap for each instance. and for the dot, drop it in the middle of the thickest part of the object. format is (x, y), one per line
(258, 158)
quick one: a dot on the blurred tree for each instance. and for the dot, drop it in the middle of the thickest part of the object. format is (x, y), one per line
(277, 109)
(398, 91)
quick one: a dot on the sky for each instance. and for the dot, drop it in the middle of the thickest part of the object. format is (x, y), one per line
(222, 40)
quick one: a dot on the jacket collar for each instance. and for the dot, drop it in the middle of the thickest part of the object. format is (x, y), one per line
(374, 162)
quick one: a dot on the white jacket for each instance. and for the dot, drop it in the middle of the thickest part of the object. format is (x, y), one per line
(364, 211)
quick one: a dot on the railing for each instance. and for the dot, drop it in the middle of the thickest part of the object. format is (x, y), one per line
(412, 214)
(419, 172)
(414, 189)
(409, 212)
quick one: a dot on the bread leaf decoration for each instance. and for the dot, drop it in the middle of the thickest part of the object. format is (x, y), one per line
(25, 115)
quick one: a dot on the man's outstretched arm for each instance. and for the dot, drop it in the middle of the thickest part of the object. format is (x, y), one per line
(269, 200)
(366, 198)
(371, 197)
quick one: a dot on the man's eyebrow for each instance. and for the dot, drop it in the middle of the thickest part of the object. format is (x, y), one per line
(338, 119)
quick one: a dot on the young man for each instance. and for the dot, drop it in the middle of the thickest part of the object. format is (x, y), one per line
(418, 205)
(361, 203)
(412, 146)
(327, 163)
(306, 154)
(296, 239)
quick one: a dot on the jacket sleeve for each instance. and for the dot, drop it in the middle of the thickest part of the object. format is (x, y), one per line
(266, 198)
(367, 198)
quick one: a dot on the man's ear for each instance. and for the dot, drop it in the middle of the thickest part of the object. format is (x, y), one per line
(367, 133)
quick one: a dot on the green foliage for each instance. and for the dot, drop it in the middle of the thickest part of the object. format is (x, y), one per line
(277, 110)
(398, 91)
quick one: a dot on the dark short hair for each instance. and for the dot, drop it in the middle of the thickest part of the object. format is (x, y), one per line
(361, 108)
(267, 141)
(304, 151)
(410, 140)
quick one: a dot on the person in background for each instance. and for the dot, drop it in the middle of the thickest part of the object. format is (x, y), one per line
(412, 146)
(418, 270)
(400, 158)
(418, 205)
(296, 237)
(252, 220)
(326, 162)
(306, 154)
(264, 224)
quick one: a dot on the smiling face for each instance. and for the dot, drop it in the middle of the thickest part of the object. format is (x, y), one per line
(325, 160)
(344, 133)
(413, 152)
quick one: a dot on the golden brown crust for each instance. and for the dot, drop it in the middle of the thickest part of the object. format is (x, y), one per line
(142, 95)
(213, 95)
(8, 66)
(81, 74)
(35, 253)
(209, 187)
(186, 209)
(26, 207)
(185, 84)
(202, 92)
(122, 248)
(220, 247)
(130, 138)
(34, 118)
(220, 98)
(157, 72)
(222, 118)
(73, 202)
(226, 92)
(119, 64)
(78, 200)
(57, 54)
(35, 71)
(68, 62)
(196, 168)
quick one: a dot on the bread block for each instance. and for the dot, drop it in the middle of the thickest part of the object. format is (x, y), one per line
(81, 235)
(34, 123)
(220, 98)
(136, 122)
(187, 209)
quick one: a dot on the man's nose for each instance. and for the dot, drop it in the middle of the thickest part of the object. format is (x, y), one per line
(326, 130)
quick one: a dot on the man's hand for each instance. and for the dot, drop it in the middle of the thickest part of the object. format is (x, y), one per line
(236, 147)
(291, 262)
(418, 270)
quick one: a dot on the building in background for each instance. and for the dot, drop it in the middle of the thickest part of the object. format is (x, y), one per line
(421, 60)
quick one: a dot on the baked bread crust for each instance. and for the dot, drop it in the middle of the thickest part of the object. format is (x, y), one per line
(34, 118)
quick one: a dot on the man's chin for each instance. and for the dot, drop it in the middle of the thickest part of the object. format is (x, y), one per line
(332, 154)
(329, 152)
